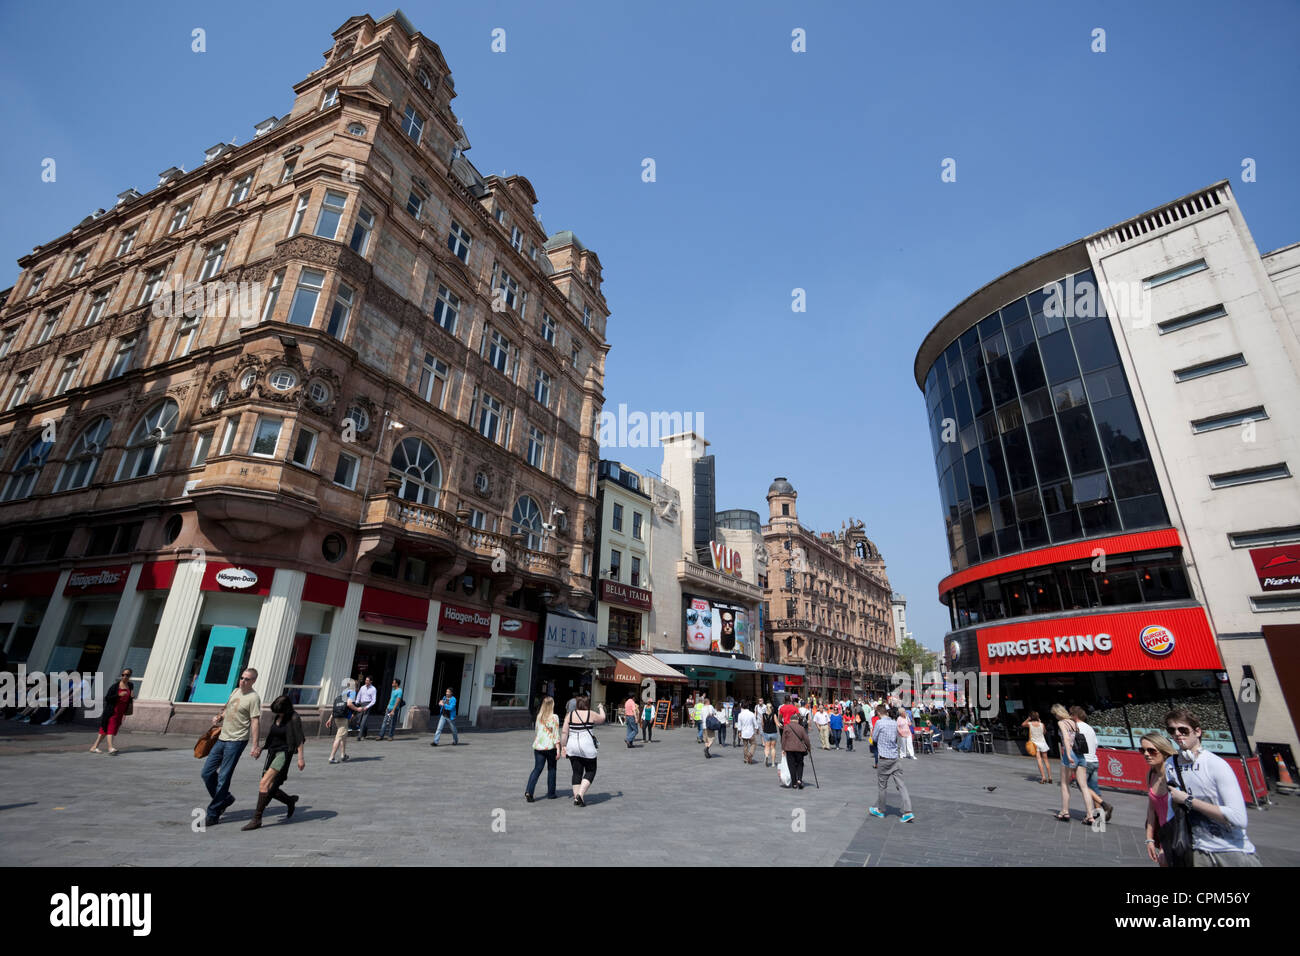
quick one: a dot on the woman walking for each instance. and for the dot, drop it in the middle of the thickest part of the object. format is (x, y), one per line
(580, 745)
(1157, 748)
(1037, 738)
(795, 743)
(707, 713)
(339, 751)
(770, 735)
(117, 705)
(284, 739)
(648, 721)
(546, 748)
(904, 724)
(1072, 765)
(837, 725)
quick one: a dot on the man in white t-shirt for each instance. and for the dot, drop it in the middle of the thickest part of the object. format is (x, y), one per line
(1205, 784)
(1091, 764)
(746, 727)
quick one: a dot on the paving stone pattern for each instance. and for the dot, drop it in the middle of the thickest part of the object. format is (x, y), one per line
(405, 803)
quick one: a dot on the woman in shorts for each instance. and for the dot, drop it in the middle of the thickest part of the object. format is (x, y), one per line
(284, 739)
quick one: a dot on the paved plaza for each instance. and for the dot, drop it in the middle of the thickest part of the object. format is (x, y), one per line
(405, 803)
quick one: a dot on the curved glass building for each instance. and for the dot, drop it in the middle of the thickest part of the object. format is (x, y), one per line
(1100, 498)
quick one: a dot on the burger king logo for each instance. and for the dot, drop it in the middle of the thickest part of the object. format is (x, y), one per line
(1114, 767)
(1156, 640)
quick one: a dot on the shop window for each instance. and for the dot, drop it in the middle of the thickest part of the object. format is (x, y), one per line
(302, 678)
(1118, 586)
(512, 672)
(85, 631)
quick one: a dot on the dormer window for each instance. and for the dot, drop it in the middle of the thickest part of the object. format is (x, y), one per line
(331, 98)
(501, 215)
(264, 127)
(423, 79)
(213, 152)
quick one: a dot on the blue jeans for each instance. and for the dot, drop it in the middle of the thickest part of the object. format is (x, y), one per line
(631, 729)
(218, 770)
(699, 731)
(445, 721)
(542, 758)
(386, 727)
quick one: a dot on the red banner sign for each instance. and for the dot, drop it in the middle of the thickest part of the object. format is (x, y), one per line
(469, 621)
(1174, 640)
(618, 593)
(97, 581)
(1278, 569)
(518, 628)
(793, 680)
(1122, 769)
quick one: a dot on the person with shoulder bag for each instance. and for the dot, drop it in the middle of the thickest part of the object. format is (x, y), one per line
(648, 722)
(341, 714)
(710, 722)
(1157, 749)
(580, 745)
(1073, 748)
(795, 745)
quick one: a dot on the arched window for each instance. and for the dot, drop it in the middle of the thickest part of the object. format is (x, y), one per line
(147, 446)
(527, 520)
(83, 461)
(27, 469)
(416, 464)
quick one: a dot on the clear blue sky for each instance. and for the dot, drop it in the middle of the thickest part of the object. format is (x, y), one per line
(775, 170)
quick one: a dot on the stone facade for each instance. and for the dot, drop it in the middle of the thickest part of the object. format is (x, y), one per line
(334, 352)
(828, 602)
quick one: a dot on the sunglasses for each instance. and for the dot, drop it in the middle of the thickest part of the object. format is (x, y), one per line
(1180, 731)
(1150, 751)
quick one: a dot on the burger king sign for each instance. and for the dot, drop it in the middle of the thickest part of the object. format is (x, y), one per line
(1157, 640)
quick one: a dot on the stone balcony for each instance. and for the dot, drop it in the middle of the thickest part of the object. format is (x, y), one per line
(690, 573)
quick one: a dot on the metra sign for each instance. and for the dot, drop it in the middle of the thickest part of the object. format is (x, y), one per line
(236, 578)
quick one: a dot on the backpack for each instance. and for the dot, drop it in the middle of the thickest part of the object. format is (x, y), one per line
(340, 706)
(1080, 742)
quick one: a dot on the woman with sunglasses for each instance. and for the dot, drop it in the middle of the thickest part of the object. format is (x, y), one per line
(1156, 748)
(116, 704)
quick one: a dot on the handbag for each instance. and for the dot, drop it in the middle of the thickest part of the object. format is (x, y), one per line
(712, 723)
(1031, 748)
(207, 742)
(1176, 833)
(130, 707)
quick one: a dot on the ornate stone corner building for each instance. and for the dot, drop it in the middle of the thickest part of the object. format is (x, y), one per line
(305, 408)
(828, 603)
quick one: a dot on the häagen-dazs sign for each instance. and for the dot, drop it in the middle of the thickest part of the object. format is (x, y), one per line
(238, 578)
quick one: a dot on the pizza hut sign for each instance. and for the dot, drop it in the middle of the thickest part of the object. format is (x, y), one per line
(237, 578)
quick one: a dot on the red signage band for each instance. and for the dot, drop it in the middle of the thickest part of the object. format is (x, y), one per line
(518, 628)
(1075, 551)
(156, 576)
(262, 588)
(468, 621)
(1278, 569)
(394, 608)
(1177, 639)
(618, 593)
(96, 580)
(323, 590)
(36, 584)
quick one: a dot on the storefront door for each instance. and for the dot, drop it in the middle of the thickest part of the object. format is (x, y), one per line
(454, 670)
(381, 659)
(220, 670)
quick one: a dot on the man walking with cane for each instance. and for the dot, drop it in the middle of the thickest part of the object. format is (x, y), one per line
(887, 749)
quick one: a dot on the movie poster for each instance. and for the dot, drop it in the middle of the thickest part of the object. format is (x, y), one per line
(699, 625)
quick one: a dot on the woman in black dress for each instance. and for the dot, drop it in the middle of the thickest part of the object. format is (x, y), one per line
(283, 740)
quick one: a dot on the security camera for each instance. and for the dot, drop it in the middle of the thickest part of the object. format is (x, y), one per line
(547, 527)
